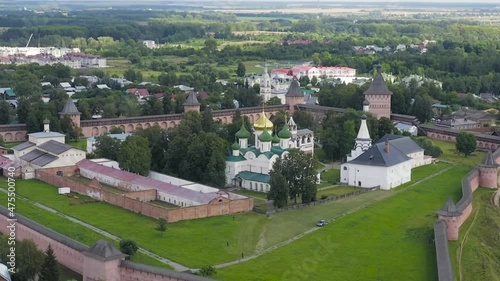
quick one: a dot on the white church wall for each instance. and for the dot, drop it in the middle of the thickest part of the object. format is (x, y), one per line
(67, 158)
(370, 176)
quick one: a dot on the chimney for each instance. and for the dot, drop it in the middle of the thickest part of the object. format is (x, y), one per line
(386, 148)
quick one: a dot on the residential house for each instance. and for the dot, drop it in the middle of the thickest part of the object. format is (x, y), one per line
(460, 124)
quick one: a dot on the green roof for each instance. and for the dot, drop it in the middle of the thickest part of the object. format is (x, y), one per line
(265, 136)
(243, 133)
(307, 91)
(251, 176)
(276, 139)
(235, 158)
(275, 150)
(235, 146)
(10, 93)
(285, 132)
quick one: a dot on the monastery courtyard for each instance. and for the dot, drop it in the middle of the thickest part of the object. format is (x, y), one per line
(367, 235)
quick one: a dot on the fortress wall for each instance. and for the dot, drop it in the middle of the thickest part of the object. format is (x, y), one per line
(448, 226)
(68, 252)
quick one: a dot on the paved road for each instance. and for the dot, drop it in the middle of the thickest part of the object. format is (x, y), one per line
(176, 266)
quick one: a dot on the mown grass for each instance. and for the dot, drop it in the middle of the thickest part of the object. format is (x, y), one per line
(81, 144)
(480, 238)
(388, 240)
(336, 190)
(68, 228)
(194, 243)
(329, 177)
(450, 154)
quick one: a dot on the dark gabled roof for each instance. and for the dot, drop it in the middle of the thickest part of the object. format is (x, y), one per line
(191, 99)
(55, 147)
(44, 160)
(32, 155)
(294, 90)
(69, 108)
(489, 160)
(403, 143)
(105, 251)
(23, 146)
(378, 86)
(376, 156)
(39, 158)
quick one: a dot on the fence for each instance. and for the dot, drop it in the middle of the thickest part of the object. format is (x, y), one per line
(318, 202)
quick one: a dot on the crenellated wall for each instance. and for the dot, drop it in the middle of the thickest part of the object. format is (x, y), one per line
(452, 216)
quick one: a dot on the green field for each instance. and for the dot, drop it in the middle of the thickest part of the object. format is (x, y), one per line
(449, 154)
(389, 240)
(476, 255)
(187, 242)
(69, 228)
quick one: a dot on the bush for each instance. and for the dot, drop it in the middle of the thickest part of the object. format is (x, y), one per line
(324, 196)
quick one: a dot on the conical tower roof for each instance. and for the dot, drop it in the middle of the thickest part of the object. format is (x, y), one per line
(191, 99)
(70, 108)
(263, 122)
(265, 136)
(285, 132)
(363, 133)
(378, 86)
(294, 90)
(489, 160)
(449, 209)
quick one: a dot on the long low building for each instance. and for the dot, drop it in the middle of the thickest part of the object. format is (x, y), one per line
(484, 141)
(166, 192)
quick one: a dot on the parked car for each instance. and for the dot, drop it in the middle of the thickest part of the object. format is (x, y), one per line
(321, 223)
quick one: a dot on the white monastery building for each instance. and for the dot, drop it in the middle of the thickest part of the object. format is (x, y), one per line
(46, 150)
(387, 163)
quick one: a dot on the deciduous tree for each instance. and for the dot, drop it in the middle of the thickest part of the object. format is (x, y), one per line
(128, 247)
(135, 155)
(466, 143)
(278, 187)
(162, 226)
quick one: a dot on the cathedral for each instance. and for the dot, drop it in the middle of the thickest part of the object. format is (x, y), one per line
(248, 166)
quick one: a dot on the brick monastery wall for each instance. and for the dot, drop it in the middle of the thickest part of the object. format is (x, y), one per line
(70, 253)
(448, 226)
(150, 210)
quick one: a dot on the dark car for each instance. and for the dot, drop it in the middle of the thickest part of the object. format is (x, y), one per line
(321, 223)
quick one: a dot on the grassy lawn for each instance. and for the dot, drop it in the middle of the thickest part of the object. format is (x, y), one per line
(336, 190)
(81, 144)
(329, 177)
(69, 228)
(388, 240)
(449, 154)
(481, 248)
(11, 144)
(284, 225)
(195, 243)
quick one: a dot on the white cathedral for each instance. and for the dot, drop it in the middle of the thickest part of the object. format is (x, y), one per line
(248, 166)
(387, 163)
